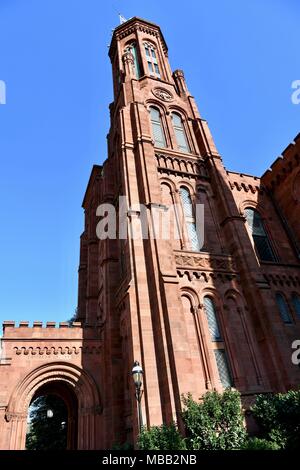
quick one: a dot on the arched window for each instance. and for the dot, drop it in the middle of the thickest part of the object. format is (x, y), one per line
(212, 319)
(259, 235)
(219, 350)
(157, 129)
(189, 218)
(296, 304)
(152, 62)
(132, 48)
(180, 133)
(283, 308)
(223, 368)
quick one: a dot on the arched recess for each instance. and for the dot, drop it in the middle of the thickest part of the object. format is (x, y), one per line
(254, 205)
(84, 388)
(217, 339)
(196, 337)
(244, 356)
(171, 218)
(213, 237)
(158, 104)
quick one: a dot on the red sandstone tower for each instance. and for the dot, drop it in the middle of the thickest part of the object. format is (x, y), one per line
(196, 317)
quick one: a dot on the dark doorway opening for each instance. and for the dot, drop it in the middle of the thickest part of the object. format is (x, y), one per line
(52, 419)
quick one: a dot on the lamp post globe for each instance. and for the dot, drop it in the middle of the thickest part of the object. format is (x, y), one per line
(137, 375)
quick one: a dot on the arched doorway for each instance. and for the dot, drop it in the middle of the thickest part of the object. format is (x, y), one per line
(71, 384)
(52, 418)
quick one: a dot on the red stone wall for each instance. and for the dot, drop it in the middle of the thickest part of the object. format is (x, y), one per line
(144, 299)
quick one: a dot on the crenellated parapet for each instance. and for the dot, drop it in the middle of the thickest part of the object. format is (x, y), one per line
(284, 165)
(51, 330)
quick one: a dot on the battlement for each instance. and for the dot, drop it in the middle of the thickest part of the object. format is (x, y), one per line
(283, 165)
(39, 324)
(37, 330)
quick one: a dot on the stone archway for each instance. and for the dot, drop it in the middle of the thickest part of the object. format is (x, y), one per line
(60, 394)
(78, 380)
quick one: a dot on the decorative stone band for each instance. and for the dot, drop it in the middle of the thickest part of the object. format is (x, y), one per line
(181, 165)
(40, 351)
(246, 187)
(205, 262)
(206, 276)
(288, 279)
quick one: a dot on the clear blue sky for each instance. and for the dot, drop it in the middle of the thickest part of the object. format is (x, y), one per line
(239, 58)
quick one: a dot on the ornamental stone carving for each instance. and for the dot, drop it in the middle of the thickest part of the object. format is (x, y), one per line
(208, 264)
(162, 94)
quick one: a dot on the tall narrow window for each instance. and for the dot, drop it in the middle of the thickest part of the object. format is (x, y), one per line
(189, 218)
(216, 337)
(296, 304)
(152, 62)
(212, 319)
(132, 48)
(223, 368)
(157, 129)
(180, 133)
(283, 309)
(259, 235)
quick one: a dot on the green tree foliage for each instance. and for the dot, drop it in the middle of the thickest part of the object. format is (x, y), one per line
(215, 422)
(254, 443)
(161, 438)
(278, 416)
(47, 433)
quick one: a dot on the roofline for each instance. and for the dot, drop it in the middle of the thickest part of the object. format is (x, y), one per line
(243, 174)
(96, 170)
(127, 23)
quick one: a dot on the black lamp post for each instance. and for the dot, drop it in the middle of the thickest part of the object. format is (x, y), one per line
(137, 375)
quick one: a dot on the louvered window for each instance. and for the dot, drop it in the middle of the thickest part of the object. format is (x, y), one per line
(189, 218)
(151, 58)
(296, 304)
(180, 133)
(223, 368)
(283, 309)
(259, 235)
(157, 129)
(212, 319)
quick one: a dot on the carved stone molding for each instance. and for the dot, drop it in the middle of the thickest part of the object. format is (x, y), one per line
(205, 262)
(56, 351)
(246, 187)
(206, 276)
(181, 166)
(282, 279)
(162, 94)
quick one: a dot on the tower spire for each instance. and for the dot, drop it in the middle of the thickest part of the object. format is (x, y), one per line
(122, 18)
